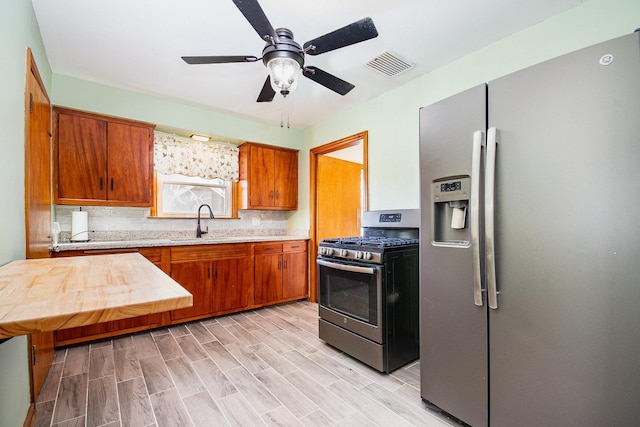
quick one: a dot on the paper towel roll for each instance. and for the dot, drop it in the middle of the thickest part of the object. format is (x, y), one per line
(79, 226)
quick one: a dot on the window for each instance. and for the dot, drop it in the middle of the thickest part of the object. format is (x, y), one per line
(180, 196)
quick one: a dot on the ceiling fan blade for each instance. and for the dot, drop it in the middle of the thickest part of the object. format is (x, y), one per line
(267, 93)
(328, 80)
(217, 59)
(356, 32)
(255, 15)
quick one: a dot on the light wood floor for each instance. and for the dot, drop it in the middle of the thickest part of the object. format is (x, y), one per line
(263, 367)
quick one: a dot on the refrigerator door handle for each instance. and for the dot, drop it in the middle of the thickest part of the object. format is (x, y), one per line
(490, 178)
(476, 159)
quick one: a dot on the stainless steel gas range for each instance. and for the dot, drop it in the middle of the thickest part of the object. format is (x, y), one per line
(368, 288)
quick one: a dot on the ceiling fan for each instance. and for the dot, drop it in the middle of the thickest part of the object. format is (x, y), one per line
(284, 57)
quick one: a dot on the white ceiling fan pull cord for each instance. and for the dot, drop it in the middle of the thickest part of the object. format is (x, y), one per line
(281, 115)
(288, 107)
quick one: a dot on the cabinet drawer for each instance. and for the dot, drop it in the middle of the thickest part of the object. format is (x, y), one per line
(209, 252)
(271, 248)
(297, 246)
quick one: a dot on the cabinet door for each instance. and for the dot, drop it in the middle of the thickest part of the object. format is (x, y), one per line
(81, 158)
(195, 277)
(262, 175)
(286, 179)
(230, 287)
(42, 354)
(294, 279)
(130, 165)
(268, 278)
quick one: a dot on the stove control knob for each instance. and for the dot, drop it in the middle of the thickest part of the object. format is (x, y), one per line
(359, 255)
(367, 255)
(343, 252)
(328, 251)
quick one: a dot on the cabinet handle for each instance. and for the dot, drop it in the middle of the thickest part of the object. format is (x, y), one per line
(111, 184)
(285, 265)
(208, 272)
(279, 265)
(101, 183)
(277, 194)
(271, 194)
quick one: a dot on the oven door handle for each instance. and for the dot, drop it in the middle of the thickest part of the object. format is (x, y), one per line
(347, 267)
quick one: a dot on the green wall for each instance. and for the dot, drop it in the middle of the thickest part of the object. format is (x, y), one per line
(18, 30)
(392, 118)
(84, 95)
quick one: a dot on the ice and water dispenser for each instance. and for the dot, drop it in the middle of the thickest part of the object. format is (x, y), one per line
(450, 198)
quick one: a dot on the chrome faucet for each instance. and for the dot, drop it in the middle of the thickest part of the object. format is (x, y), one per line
(199, 231)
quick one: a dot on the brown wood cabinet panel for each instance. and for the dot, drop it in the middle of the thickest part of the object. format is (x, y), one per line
(195, 277)
(268, 177)
(42, 354)
(81, 158)
(268, 278)
(267, 248)
(137, 322)
(83, 331)
(100, 160)
(294, 280)
(209, 252)
(286, 179)
(130, 161)
(231, 288)
(281, 271)
(262, 170)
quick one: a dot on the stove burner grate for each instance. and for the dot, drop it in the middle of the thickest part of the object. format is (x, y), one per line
(369, 242)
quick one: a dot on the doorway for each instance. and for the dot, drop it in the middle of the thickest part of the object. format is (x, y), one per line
(338, 175)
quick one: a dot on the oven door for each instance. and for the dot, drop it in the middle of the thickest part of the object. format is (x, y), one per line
(351, 297)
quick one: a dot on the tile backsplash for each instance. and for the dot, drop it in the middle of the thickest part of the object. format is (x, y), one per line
(122, 223)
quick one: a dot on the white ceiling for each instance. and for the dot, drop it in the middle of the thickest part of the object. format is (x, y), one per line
(137, 45)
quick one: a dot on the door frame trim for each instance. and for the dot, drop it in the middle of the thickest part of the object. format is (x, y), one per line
(340, 144)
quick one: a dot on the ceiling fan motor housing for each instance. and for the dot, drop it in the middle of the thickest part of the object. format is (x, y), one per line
(284, 47)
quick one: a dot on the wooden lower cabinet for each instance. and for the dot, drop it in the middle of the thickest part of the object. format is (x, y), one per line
(295, 275)
(281, 272)
(216, 275)
(268, 278)
(223, 278)
(42, 354)
(195, 277)
(231, 284)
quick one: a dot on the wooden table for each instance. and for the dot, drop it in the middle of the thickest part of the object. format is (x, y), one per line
(55, 293)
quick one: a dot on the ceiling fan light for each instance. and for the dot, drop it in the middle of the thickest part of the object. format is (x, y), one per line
(283, 73)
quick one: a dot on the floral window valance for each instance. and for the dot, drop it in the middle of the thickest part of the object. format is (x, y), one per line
(175, 155)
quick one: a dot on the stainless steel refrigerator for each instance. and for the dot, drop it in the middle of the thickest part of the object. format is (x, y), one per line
(530, 245)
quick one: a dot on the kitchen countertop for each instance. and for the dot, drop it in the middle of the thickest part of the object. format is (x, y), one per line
(181, 241)
(55, 293)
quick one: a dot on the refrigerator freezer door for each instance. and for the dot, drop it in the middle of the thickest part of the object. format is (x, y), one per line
(564, 343)
(453, 329)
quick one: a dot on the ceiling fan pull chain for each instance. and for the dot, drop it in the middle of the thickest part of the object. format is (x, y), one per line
(288, 107)
(281, 115)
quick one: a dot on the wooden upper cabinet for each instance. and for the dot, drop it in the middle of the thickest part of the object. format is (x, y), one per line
(102, 160)
(268, 177)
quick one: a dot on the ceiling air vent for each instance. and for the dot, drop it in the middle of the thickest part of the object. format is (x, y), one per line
(389, 64)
